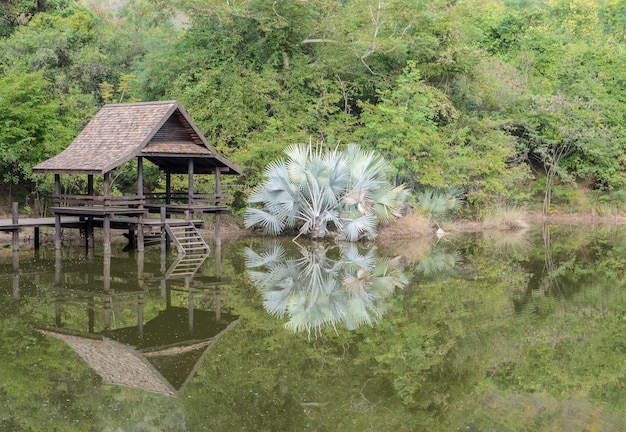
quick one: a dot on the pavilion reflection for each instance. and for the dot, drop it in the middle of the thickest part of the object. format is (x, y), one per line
(137, 323)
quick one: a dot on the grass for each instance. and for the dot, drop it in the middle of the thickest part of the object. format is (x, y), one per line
(505, 217)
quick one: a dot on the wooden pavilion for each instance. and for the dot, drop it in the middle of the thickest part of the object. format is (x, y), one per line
(161, 132)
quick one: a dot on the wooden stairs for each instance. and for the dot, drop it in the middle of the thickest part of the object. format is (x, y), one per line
(187, 238)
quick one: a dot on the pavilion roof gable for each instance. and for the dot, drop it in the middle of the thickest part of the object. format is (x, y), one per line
(162, 131)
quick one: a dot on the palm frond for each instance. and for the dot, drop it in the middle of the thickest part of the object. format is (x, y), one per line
(271, 224)
(353, 229)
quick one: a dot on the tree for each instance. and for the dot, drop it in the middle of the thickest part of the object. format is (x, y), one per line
(30, 127)
(318, 192)
(559, 128)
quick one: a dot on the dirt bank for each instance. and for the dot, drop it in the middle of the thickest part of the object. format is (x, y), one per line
(412, 226)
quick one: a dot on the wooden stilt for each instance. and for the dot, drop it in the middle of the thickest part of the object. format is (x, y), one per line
(89, 237)
(140, 241)
(106, 234)
(168, 188)
(218, 223)
(57, 232)
(218, 214)
(15, 238)
(106, 223)
(163, 214)
(36, 238)
(58, 261)
(36, 214)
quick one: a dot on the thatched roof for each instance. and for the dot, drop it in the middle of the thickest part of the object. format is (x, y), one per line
(162, 132)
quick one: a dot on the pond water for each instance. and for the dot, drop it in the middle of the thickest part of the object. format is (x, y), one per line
(522, 331)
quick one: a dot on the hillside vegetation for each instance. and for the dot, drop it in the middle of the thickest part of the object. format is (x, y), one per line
(518, 102)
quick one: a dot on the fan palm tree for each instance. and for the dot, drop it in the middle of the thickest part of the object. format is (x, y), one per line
(321, 193)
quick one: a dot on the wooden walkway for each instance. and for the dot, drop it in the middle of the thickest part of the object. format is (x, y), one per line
(134, 219)
(68, 222)
(15, 225)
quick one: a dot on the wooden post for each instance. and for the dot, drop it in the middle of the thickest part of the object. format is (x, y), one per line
(15, 215)
(57, 231)
(163, 213)
(58, 262)
(36, 208)
(89, 237)
(140, 176)
(90, 184)
(106, 223)
(56, 199)
(218, 214)
(168, 188)
(36, 214)
(106, 234)
(218, 223)
(107, 289)
(218, 185)
(218, 261)
(57, 217)
(190, 175)
(36, 236)
(140, 240)
(140, 268)
(106, 186)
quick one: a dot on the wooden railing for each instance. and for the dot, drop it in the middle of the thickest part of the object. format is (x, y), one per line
(216, 200)
(91, 200)
(81, 200)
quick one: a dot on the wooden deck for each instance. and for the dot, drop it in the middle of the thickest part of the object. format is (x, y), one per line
(68, 222)
(134, 218)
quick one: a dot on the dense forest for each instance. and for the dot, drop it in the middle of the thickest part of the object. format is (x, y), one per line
(516, 102)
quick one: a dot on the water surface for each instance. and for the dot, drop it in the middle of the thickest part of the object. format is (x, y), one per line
(521, 331)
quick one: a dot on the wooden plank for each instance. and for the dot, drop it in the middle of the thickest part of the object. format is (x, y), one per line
(8, 225)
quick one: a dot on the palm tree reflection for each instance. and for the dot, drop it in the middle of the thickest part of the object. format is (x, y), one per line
(324, 284)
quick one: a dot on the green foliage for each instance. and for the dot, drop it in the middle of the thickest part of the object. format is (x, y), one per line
(30, 127)
(473, 94)
(439, 203)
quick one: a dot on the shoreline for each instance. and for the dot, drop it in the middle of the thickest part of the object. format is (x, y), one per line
(411, 226)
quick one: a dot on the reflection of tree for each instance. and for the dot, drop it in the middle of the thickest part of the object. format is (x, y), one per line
(439, 262)
(324, 285)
